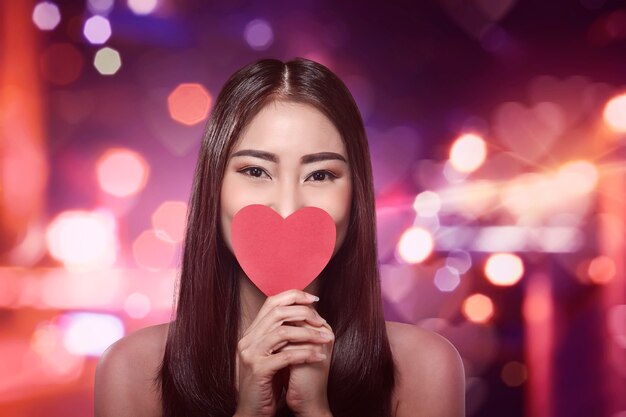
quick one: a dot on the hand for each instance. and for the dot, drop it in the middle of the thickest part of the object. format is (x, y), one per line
(308, 382)
(257, 362)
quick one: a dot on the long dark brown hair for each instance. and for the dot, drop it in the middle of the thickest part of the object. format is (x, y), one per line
(197, 375)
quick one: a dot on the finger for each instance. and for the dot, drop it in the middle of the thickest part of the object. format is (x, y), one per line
(282, 299)
(293, 335)
(282, 314)
(291, 357)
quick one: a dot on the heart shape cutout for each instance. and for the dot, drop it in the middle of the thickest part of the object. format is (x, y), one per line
(279, 254)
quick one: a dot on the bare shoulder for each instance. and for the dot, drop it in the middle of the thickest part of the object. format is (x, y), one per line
(125, 372)
(431, 374)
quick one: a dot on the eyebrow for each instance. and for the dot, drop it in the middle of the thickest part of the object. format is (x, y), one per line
(305, 159)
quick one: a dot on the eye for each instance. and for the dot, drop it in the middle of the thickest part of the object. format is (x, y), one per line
(255, 172)
(320, 175)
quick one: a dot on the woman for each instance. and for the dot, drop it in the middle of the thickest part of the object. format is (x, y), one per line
(233, 351)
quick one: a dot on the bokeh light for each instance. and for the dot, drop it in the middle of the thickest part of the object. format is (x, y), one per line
(576, 178)
(427, 204)
(601, 270)
(107, 61)
(504, 269)
(514, 373)
(137, 305)
(616, 320)
(152, 252)
(415, 245)
(142, 7)
(46, 15)
(82, 239)
(97, 30)
(169, 219)
(122, 172)
(61, 63)
(468, 153)
(615, 113)
(189, 103)
(259, 34)
(103, 7)
(90, 334)
(478, 308)
(447, 279)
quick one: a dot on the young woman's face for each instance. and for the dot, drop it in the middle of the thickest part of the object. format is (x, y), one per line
(279, 136)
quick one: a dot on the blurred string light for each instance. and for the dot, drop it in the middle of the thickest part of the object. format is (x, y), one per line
(46, 15)
(427, 204)
(152, 252)
(137, 305)
(478, 308)
(189, 103)
(102, 7)
(504, 269)
(415, 245)
(82, 239)
(615, 113)
(468, 153)
(97, 29)
(169, 220)
(89, 334)
(122, 172)
(142, 7)
(258, 34)
(107, 61)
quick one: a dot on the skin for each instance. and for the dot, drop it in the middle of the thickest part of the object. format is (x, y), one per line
(431, 372)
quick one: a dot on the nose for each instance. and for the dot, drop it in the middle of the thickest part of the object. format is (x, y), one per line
(287, 199)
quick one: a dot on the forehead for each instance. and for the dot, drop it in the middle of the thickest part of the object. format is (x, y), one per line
(286, 127)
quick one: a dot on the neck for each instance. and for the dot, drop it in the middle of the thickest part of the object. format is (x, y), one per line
(252, 299)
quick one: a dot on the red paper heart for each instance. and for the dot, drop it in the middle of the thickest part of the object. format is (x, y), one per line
(279, 254)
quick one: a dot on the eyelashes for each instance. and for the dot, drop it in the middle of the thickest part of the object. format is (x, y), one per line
(248, 173)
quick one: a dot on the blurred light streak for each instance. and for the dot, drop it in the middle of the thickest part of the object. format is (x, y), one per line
(468, 153)
(446, 279)
(106, 290)
(615, 113)
(258, 34)
(122, 172)
(427, 204)
(152, 252)
(82, 239)
(24, 166)
(478, 308)
(107, 61)
(61, 63)
(415, 245)
(504, 269)
(170, 219)
(97, 29)
(142, 7)
(549, 239)
(538, 313)
(89, 334)
(189, 103)
(46, 15)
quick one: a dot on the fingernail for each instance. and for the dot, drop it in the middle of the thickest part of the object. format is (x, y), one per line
(313, 297)
(326, 335)
(320, 355)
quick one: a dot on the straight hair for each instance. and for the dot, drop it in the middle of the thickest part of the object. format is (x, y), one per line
(197, 374)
